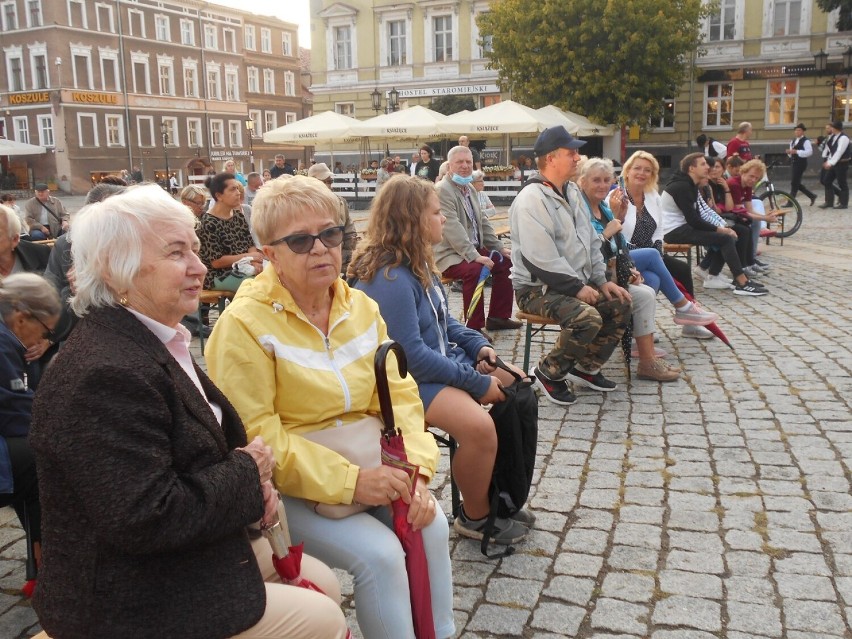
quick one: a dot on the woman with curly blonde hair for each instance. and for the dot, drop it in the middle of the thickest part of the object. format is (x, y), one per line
(454, 366)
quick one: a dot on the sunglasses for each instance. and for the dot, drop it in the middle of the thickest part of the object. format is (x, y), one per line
(302, 243)
(48, 332)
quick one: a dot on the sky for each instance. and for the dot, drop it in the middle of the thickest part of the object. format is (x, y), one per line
(289, 10)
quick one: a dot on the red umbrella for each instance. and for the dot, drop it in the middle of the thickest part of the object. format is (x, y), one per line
(393, 454)
(710, 327)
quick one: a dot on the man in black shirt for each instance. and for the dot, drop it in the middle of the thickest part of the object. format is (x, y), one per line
(281, 167)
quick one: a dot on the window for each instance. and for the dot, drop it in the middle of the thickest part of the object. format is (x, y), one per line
(21, 128)
(216, 133)
(171, 132)
(289, 83)
(145, 130)
(10, 15)
(161, 25)
(842, 107)
(782, 101)
(235, 133)
(667, 116)
(345, 108)
(229, 40)
(166, 74)
(289, 117)
(15, 68)
(256, 117)
(137, 23)
(443, 37)
(141, 78)
(268, 81)
(270, 121)
(397, 43)
(232, 84)
(190, 79)
(77, 14)
(211, 40)
(81, 67)
(253, 80)
(34, 13)
(87, 130)
(103, 12)
(342, 47)
(187, 32)
(718, 105)
(214, 82)
(266, 40)
(38, 62)
(287, 44)
(114, 130)
(110, 72)
(45, 130)
(721, 21)
(193, 133)
(249, 37)
(787, 19)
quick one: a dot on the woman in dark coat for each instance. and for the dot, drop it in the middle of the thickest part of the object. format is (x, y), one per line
(147, 482)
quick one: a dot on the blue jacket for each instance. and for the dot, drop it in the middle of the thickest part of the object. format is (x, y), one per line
(16, 399)
(405, 305)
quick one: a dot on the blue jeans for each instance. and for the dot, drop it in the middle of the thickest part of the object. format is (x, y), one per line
(366, 546)
(649, 262)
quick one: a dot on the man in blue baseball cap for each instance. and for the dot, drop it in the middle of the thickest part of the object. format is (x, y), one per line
(559, 272)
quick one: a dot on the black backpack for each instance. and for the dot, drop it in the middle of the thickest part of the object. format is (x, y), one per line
(516, 421)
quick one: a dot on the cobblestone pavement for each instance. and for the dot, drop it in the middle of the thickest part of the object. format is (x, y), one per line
(715, 506)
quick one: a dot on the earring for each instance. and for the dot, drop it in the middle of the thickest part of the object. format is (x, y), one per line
(123, 299)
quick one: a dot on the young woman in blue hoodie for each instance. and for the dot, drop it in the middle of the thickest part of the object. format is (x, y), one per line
(451, 363)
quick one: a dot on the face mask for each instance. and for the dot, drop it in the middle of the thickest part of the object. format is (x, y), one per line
(462, 181)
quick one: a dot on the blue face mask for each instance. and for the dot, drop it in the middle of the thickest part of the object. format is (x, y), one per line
(462, 181)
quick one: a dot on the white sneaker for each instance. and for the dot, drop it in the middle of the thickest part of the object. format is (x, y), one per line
(701, 273)
(695, 315)
(697, 332)
(718, 282)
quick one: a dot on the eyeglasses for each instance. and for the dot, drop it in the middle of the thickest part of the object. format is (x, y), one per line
(48, 332)
(302, 243)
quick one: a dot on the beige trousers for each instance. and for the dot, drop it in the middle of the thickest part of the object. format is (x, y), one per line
(293, 612)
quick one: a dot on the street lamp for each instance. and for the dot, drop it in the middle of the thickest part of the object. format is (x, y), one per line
(821, 66)
(393, 100)
(164, 130)
(250, 129)
(376, 97)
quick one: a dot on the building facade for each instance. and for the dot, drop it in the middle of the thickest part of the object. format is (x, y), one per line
(757, 64)
(168, 87)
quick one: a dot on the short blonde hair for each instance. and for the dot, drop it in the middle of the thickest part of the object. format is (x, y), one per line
(108, 237)
(287, 198)
(651, 185)
(753, 164)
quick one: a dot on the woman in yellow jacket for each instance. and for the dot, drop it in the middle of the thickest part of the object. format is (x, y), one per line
(294, 353)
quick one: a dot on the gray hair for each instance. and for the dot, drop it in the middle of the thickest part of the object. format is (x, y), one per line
(102, 190)
(456, 150)
(596, 165)
(743, 127)
(29, 293)
(478, 175)
(108, 238)
(13, 222)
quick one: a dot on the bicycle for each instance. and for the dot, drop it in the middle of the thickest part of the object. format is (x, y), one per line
(785, 206)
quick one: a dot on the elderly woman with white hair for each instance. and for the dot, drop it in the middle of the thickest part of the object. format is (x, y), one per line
(146, 479)
(485, 204)
(295, 352)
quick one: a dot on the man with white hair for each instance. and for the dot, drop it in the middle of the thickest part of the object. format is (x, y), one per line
(465, 142)
(469, 243)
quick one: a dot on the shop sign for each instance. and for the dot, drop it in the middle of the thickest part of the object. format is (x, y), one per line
(434, 92)
(29, 98)
(88, 97)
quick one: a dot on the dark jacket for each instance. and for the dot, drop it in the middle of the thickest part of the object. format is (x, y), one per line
(33, 257)
(144, 500)
(684, 192)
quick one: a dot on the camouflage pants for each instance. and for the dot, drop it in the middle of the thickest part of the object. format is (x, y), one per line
(589, 334)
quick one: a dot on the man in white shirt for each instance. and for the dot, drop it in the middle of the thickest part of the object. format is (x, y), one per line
(800, 150)
(711, 147)
(836, 155)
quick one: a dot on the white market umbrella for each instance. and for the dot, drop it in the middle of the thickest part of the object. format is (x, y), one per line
(328, 127)
(575, 123)
(10, 147)
(406, 124)
(503, 118)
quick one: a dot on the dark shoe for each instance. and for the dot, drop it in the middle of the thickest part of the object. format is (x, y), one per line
(596, 382)
(751, 289)
(825, 206)
(813, 199)
(842, 206)
(501, 324)
(486, 335)
(456, 286)
(557, 392)
(525, 517)
(506, 531)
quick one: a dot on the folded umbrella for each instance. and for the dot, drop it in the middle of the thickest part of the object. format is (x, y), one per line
(494, 256)
(286, 558)
(712, 327)
(393, 454)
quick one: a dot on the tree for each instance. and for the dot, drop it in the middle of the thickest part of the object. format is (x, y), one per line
(844, 19)
(612, 60)
(449, 104)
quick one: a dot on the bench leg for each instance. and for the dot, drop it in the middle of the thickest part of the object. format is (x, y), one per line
(527, 340)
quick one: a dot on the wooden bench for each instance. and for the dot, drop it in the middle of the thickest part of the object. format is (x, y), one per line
(542, 325)
(211, 298)
(503, 232)
(684, 250)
